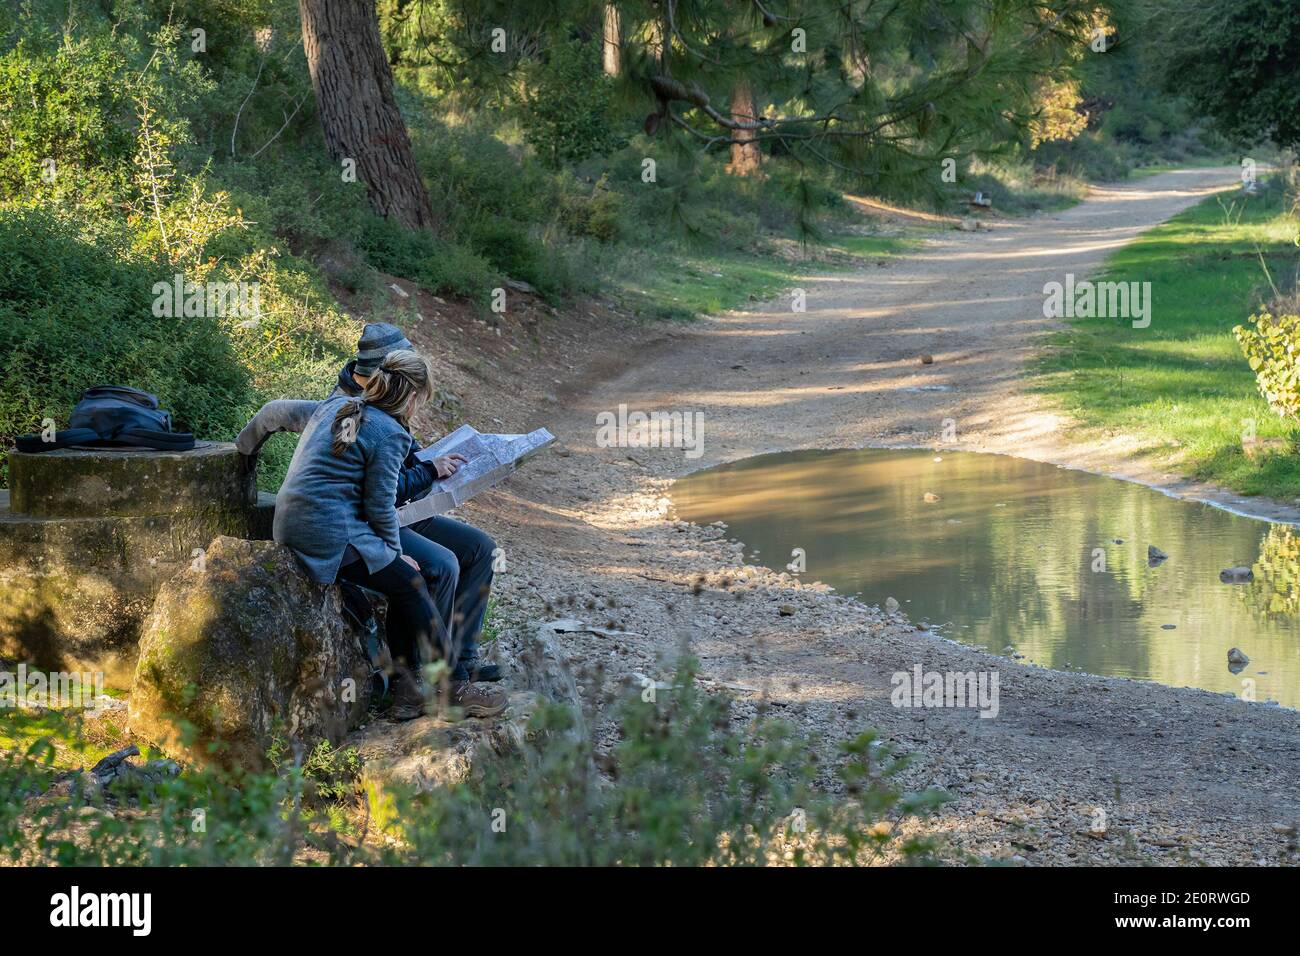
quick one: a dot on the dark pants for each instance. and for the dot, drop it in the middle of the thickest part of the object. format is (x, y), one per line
(456, 564)
(415, 633)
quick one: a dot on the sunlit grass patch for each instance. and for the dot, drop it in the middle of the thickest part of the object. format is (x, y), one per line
(60, 742)
(1181, 386)
(686, 285)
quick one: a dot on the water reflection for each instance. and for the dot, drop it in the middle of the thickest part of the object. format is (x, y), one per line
(1015, 553)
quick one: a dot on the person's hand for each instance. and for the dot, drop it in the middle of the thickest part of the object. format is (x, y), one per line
(448, 465)
(411, 561)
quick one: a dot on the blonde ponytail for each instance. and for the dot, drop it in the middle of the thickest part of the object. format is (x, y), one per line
(400, 386)
(347, 422)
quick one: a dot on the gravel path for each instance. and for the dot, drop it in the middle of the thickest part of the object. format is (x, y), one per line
(1074, 768)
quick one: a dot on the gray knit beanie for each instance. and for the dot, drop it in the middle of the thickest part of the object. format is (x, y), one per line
(377, 340)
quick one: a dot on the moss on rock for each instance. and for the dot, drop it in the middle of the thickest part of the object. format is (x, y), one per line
(88, 536)
(87, 483)
(239, 653)
(74, 592)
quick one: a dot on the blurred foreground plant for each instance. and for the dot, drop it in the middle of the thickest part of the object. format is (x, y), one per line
(683, 786)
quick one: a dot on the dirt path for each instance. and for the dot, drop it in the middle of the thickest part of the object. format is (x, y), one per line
(1176, 775)
(846, 374)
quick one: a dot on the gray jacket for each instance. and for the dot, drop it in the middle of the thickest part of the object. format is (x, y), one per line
(292, 414)
(281, 415)
(329, 502)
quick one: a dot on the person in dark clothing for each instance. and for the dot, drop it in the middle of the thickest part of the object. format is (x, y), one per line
(336, 510)
(456, 560)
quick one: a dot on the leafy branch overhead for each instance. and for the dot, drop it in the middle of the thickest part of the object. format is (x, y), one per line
(862, 85)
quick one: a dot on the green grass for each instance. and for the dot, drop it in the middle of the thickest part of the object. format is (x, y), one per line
(1197, 162)
(1181, 387)
(684, 286)
(1018, 189)
(874, 247)
(57, 739)
(1142, 172)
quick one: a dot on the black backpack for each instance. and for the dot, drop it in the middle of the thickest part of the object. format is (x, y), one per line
(362, 613)
(114, 416)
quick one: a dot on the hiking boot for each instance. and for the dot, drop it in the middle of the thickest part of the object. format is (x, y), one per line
(476, 669)
(477, 700)
(408, 696)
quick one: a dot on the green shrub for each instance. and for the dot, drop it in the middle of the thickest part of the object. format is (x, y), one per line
(684, 786)
(76, 310)
(298, 200)
(422, 257)
(1091, 156)
(470, 171)
(566, 111)
(64, 106)
(597, 214)
(76, 313)
(1272, 347)
(511, 250)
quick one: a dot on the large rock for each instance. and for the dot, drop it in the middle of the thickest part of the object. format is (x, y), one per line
(429, 752)
(246, 650)
(88, 537)
(74, 592)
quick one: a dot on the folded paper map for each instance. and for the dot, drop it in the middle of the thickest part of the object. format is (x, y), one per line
(489, 459)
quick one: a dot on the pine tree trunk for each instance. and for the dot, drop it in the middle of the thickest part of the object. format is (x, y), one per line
(613, 41)
(746, 155)
(358, 113)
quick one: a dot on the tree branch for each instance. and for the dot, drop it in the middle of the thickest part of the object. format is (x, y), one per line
(260, 63)
(287, 120)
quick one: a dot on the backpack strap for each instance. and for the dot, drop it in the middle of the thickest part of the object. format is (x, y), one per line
(33, 444)
(357, 607)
